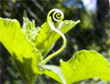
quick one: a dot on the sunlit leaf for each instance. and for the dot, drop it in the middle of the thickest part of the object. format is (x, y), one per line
(47, 37)
(55, 73)
(25, 55)
(83, 65)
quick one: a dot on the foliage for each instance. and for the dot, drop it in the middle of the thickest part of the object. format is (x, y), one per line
(29, 46)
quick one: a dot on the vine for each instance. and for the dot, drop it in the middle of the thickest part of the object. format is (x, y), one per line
(56, 15)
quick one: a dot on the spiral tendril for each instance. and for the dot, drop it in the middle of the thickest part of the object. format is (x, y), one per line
(57, 15)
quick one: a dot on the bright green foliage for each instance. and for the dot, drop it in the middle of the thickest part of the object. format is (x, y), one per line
(29, 29)
(83, 65)
(44, 37)
(25, 55)
(28, 46)
(21, 44)
(52, 37)
(54, 72)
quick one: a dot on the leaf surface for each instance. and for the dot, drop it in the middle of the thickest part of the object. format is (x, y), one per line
(46, 37)
(83, 65)
(25, 55)
(54, 72)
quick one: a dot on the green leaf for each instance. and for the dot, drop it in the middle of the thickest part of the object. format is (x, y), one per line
(83, 65)
(25, 55)
(29, 29)
(46, 37)
(55, 73)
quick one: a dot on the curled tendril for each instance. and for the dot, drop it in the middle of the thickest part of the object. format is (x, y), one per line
(56, 15)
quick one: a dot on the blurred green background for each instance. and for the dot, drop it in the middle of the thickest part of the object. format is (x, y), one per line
(92, 33)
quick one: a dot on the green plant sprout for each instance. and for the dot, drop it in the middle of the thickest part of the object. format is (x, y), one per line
(30, 45)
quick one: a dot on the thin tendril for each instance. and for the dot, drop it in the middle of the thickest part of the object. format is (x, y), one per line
(60, 33)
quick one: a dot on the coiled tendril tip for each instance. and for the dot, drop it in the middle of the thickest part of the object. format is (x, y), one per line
(56, 15)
